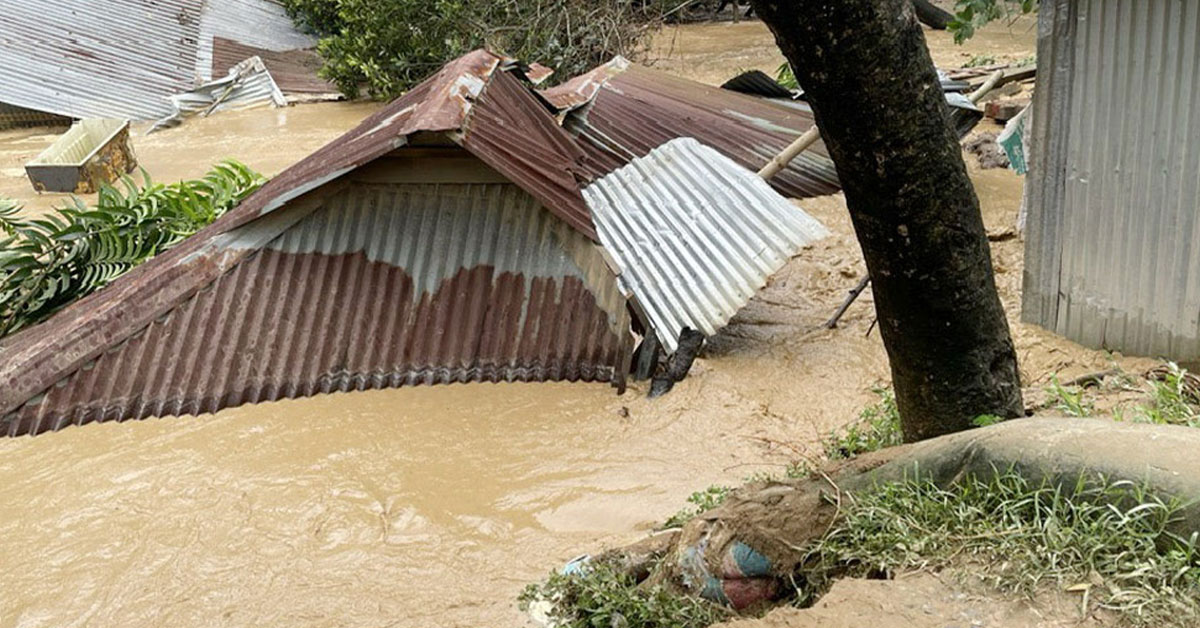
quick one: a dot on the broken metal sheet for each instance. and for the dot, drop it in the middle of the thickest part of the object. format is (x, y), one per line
(757, 83)
(247, 85)
(261, 24)
(294, 71)
(694, 235)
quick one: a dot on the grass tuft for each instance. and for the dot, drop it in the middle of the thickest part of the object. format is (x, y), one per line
(603, 595)
(1109, 538)
(1068, 399)
(878, 426)
(701, 501)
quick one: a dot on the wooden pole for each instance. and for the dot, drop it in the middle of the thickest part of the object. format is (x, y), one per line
(780, 161)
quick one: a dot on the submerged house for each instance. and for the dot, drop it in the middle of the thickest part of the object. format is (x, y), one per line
(460, 234)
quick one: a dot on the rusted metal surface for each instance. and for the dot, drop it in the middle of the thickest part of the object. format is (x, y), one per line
(90, 154)
(621, 111)
(122, 59)
(384, 285)
(512, 131)
(694, 235)
(295, 71)
(97, 325)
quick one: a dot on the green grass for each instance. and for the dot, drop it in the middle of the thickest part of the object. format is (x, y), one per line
(1070, 400)
(980, 60)
(604, 596)
(878, 426)
(1172, 402)
(701, 501)
(1020, 537)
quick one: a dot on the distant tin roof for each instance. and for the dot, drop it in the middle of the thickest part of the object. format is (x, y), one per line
(621, 110)
(103, 58)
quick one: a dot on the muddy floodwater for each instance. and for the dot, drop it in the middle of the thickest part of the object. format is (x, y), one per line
(268, 140)
(435, 506)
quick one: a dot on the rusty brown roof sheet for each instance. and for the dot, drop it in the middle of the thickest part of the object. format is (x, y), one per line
(383, 285)
(507, 137)
(622, 111)
(294, 71)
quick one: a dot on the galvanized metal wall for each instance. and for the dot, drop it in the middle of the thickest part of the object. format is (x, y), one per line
(1113, 243)
(385, 285)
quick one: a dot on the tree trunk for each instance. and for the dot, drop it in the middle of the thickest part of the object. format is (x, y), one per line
(866, 72)
(931, 16)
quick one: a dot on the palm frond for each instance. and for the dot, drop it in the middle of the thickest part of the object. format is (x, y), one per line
(52, 260)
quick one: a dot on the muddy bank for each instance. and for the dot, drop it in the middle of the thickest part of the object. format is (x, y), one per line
(923, 600)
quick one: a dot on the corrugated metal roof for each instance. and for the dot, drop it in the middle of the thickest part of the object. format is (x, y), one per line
(97, 59)
(384, 285)
(295, 71)
(122, 59)
(1112, 249)
(622, 111)
(262, 24)
(46, 353)
(247, 85)
(702, 203)
(694, 235)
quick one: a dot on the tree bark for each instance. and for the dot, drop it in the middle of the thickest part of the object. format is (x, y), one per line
(866, 72)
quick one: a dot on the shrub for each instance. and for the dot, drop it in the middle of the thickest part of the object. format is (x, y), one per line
(387, 46)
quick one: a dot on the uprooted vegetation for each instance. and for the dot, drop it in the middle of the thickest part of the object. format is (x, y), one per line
(387, 48)
(49, 261)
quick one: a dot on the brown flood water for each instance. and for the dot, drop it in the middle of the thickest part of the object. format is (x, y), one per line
(428, 506)
(268, 140)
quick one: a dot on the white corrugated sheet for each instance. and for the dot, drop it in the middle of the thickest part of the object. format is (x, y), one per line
(694, 235)
(1112, 250)
(123, 58)
(247, 85)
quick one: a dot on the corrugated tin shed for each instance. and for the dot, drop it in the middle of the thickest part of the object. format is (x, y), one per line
(621, 111)
(694, 235)
(1112, 252)
(122, 59)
